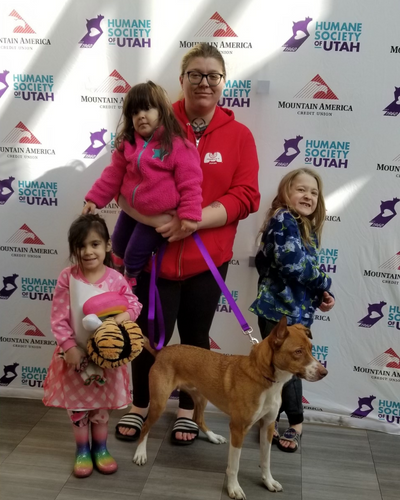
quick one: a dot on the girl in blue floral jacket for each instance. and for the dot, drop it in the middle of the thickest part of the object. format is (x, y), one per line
(291, 283)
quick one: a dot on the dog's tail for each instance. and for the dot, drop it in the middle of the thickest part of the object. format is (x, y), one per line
(147, 346)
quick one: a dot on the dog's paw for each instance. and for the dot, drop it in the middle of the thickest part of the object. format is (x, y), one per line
(216, 438)
(236, 492)
(140, 458)
(272, 485)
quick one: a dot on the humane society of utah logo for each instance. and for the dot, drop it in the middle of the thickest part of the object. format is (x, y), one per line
(389, 367)
(6, 189)
(364, 407)
(38, 288)
(33, 376)
(374, 314)
(389, 411)
(113, 84)
(216, 27)
(316, 89)
(97, 144)
(93, 32)
(337, 36)
(130, 33)
(327, 258)
(30, 87)
(236, 93)
(27, 144)
(393, 109)
(387, 213)
(299, 35)
(9, 286)
(16, 33)
(25, 236)
(223, 304)
(27, 335)
(320, 352)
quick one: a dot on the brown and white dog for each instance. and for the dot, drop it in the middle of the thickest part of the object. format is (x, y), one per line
(248, 388)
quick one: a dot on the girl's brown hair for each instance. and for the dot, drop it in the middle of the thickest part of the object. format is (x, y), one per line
(142, 97)
(78, 233)
(307, 225)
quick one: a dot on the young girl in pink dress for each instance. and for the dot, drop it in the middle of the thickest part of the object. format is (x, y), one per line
(64, 387)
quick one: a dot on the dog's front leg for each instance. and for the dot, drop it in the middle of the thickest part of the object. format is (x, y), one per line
(266, 433)
(140, 457)
(235, 449)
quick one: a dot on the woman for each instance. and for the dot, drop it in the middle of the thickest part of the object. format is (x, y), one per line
(188, 291)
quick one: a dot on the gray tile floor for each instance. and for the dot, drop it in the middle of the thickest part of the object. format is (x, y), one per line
(37, 450)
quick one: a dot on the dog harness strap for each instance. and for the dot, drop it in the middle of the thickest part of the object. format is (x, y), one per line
(155, 302)
(247, 330)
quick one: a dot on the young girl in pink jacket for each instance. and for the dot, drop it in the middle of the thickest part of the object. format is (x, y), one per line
(155, 169)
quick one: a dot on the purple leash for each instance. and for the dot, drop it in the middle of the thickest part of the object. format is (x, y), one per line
(155, 302)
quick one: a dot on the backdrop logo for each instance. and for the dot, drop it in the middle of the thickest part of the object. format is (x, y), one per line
(393, 109)
(327, 153)
(338, 37)
(33, 376)
(387, 212)
(27, 334)
(320, 352)
(290, 151)
(389, 411)
(223, 304)
(113, 84)
(333, 218)
(392, 263)
(300, 35)
(316, 89)
(327, 258)
(96, 143)
(14, 25)
(20, 134)
(307, 405)
(3, 82)
(93, 33)
(129, 32)
(9, 286)
(216, 27)
(33, 87)
(374, 315)
(38, 288)
(25, 236)
(364, 407)
(394, 317)
(236, 94)
(388, 277)
(390, 168)
(214, 345)
(389, 367)
(6, 189)
(9, 374)
(38, 193)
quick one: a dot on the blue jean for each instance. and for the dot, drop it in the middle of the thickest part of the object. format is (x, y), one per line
(134, 242)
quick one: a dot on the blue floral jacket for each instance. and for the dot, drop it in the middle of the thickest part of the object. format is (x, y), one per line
(291, 283)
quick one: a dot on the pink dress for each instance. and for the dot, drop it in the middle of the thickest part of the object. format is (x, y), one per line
(63, 386)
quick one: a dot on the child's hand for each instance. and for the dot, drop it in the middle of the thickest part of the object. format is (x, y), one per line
(189, 226)
(119, 318)
(74, 357)
(89, 208)
(327, 302)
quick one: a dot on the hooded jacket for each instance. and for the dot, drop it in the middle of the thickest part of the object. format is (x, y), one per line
(152, 180)
(229, 162)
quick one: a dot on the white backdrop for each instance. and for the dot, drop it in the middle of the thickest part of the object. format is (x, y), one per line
(317, 82)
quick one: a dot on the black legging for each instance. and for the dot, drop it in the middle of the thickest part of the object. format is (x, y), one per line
(192, 304)
(292, 391)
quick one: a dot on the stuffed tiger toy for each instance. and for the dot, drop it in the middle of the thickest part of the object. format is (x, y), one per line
(112, 345)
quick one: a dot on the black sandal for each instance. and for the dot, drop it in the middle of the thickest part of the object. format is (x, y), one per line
(132, 421)
(293, 436)
(183, 424)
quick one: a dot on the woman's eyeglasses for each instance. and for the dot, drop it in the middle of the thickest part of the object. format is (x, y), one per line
(213, 79)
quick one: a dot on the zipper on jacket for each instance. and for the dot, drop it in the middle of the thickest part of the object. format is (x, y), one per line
(138, 166)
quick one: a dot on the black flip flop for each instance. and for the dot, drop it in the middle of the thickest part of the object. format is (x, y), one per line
(132, 421)
(183, 424)
(293, 436)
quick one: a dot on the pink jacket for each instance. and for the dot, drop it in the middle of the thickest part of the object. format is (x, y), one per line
(151, 180)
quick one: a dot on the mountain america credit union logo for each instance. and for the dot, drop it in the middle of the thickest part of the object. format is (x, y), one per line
(21, 135)
(387, 271)
(216, 27)
(317, 89)
(26, 335)
(388, 364)
(387, 213)
(25, 236)
(299, 35)
(113, 84)
(393, 109)
(93, 32)
(14, 24)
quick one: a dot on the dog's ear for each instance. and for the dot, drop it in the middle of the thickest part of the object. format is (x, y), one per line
(308, 333)
(280, 332)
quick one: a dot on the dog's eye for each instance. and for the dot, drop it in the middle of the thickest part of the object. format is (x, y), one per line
(299, 351)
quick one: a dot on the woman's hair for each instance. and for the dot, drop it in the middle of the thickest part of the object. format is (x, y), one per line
(202, 50)
(78, 232)
(144, 96)
(307, 225)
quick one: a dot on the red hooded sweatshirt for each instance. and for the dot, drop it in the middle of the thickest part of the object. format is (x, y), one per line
(229, 162)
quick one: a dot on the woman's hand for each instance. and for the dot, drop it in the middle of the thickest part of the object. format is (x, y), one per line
(89, 208)
(327, 302)
(173, 230)
(190, 226)
(74, 357)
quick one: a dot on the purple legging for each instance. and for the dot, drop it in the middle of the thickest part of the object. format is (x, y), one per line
(134, 242)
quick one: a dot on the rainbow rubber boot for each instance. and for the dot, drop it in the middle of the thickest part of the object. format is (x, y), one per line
(83, 465)
(102, 459)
